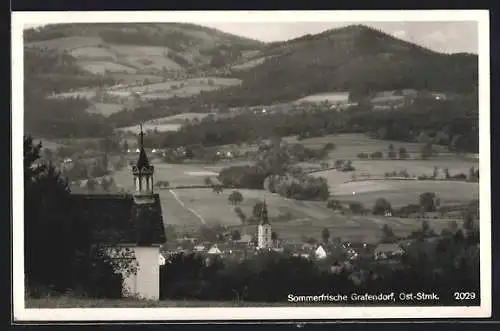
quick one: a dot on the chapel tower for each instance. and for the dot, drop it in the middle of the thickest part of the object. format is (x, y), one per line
(264, 229)
(143, 172)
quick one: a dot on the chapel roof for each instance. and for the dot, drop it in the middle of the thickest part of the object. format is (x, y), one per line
(116, 219)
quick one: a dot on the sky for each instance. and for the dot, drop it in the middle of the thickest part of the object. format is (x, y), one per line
(447, 37)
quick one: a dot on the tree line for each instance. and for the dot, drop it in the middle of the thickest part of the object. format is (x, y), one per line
(61, 253)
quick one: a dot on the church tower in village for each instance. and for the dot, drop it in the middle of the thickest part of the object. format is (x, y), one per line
(143, 172)
(264, 230)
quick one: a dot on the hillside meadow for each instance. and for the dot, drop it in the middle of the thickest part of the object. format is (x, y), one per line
(403, 192)
(290, 219)
(167, 123)
(105, 109)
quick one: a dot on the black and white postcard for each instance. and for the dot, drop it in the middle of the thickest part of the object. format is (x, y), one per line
(214, 166)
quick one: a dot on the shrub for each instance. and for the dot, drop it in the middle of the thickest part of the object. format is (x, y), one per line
(460, 176)
(250, 177)
(376, 155)
(241, 214)
(347, 166)
(381, 207)
(235, 197)
(363, 156)
(403, 153)
(405, 211)
(356, 208)
(334, 204)
(338, 164)
(329, 147)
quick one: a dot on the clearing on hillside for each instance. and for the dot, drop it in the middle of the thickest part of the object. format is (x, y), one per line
(179, 118)
(66, 43)
(100, 67)
(151, 127)
(93, 53)
(250, 64)
(216, 209)
(403, 192)
(105, 109)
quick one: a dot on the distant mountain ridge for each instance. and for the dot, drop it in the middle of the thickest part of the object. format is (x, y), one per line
(355, 58)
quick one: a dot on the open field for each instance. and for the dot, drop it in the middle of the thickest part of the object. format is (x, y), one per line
(105, 109)
(168, 123)
(216, 209)
(100, 67)
(93, 53)
(182, 88)
(49, 144)
(377, 169)
(193, 207)
(349, 145)
(136, 50)
(178, 119)
(153, 62)
(151, 127)
(299, 218)
(66, 43)
(250, 64)
(183, 92)
(165, 86)
(136, 78)
(156, 90)
(404, 192)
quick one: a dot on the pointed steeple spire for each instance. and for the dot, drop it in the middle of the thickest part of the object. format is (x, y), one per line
(263, 214)
(142, 161)
(143, 171)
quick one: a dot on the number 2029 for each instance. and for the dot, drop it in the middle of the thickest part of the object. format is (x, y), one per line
(464, 295)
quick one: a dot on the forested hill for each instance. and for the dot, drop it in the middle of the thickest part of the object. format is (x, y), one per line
(356, 58)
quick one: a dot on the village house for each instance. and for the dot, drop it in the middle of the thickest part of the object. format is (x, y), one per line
(214, 250)
(385, 251)
(130, 222)
(320, 252)
(244, 241)
(387, 100)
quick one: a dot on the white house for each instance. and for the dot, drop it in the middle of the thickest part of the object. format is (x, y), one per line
(264, 231)
(320, 252)
(137, 218)
(214, 250)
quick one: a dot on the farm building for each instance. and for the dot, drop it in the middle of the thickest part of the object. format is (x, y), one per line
(214, 250)
(130, 222)
(320, 252)
(386, 100)
(386, 251)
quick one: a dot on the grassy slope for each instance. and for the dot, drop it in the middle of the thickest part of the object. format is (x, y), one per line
(87, 41)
